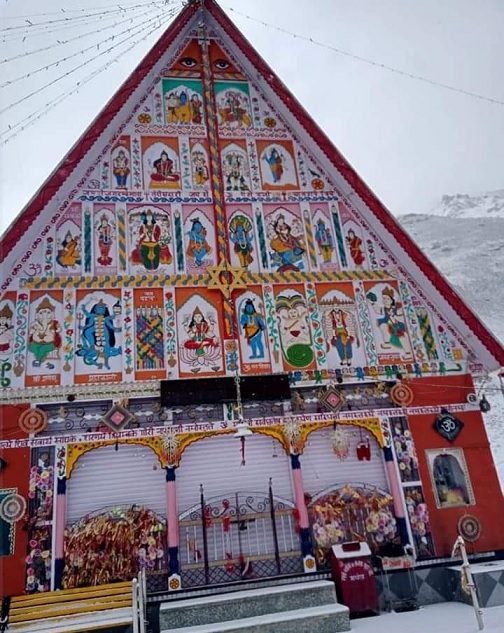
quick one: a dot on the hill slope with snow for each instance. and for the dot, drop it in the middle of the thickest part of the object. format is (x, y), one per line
(463, 205)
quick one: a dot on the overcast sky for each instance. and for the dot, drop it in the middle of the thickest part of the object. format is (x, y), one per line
(410, 141)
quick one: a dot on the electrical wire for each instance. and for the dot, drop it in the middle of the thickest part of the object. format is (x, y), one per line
(35, 15)
(13, 130)
(76, 68)
(50, 30)
(71, 39)
(371, 62)
(81, 52)
(33, 25)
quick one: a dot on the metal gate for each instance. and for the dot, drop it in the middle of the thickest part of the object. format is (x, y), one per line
(241, 536)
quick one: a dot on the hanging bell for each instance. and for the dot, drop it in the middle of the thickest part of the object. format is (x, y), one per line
(484, 405)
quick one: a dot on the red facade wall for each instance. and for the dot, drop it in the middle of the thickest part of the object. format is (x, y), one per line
(489, 508)
(15, 475)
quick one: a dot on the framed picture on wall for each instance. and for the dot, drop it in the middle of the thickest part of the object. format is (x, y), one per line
(450, 478)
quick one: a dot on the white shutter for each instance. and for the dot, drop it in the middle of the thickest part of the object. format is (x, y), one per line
(321, 469)
(104, 478)
(215, 463)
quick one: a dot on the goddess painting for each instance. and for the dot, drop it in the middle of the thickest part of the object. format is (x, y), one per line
(288, 249)
(105, 242)
(234, 109)
(200, 332)
(69, 253)
(199, 169)
(6, 329)
(356, 250)
(98, 334)
(153, 238)
(163, 173)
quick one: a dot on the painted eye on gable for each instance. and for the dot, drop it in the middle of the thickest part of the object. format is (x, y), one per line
(222, 64)
(188, 62)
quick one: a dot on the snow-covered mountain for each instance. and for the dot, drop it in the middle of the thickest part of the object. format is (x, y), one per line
(463, 205)
(468, 248)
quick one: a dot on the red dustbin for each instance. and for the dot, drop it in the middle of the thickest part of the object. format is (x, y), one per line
(352, 571)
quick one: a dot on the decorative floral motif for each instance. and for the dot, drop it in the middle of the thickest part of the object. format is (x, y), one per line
(418, 515)
(144, 118)
(69, 305)
(128, 332)
(270, 122)
(405, 450)
(20, 336)
(38, 561)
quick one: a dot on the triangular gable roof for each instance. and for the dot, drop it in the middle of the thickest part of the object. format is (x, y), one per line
(488, 350)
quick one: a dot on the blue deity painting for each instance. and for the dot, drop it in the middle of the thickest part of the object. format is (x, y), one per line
(198, 247)
(97, 334)
(240, 233)
(253, 326)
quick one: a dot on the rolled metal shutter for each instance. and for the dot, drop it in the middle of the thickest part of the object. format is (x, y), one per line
(215, 463)
(105, 477)
(321, 468)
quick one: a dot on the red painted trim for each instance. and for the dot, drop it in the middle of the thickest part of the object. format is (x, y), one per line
(350, 175)
(49, 189)
(57, 179)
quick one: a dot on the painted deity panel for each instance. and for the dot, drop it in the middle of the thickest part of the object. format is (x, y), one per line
(450, 478)
(160, 162)
(354, 238)
(242, 235)
(200, 170)
(235, 166)
(98, 336)
(324, 238)
(199, 237)
(150, 238)
(285, 233)
(233, 104)
(105, 238)
(296, 339)
(120, 158)
(68, 251)
(253, 336)
(44, 338)
(7, 310)
(198, 333)
(278, 165)
(389, 322)
(340, 324)
(183, 101)
(149, 334)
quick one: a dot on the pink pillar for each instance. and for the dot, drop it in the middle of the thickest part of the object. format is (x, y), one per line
(172, 514)
(297, 480)
(395, 489)
(59, 533)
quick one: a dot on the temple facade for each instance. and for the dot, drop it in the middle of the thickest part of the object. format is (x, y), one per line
(205, 232)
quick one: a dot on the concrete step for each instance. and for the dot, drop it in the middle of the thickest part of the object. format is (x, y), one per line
(328, 618)
(246, 604)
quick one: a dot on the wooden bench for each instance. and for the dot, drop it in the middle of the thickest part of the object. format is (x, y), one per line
(80, 610)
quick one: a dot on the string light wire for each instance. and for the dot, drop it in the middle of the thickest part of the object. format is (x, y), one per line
(371, 62)
(19, 127)
(81, 52)
(35, 15)
(71, 39)
(145, 26)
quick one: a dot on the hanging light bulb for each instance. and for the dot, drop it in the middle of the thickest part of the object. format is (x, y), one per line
(242, 431)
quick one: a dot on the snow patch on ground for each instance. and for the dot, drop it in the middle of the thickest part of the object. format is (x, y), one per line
(436, 618)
